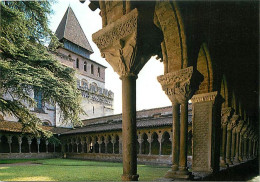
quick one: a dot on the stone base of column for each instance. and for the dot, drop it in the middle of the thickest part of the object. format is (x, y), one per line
(223, 163)
(236, 160)
(126, 177)
(229, 162)
(179, 175)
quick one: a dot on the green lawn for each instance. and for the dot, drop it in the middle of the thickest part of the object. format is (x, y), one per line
(74, 170)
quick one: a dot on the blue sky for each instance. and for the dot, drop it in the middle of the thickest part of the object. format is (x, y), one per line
(149, 91)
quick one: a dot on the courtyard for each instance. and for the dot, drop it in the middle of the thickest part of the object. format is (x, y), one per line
(71, 170)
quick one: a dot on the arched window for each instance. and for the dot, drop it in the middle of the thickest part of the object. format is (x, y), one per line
(85, 66)
(92, 69)
(77, 63)
(98, 71)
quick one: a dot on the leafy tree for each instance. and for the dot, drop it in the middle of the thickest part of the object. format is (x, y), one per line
(26, 65)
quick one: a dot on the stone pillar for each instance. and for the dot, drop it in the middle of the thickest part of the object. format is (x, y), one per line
(206, 125)
(122, 44)
(77, 144)
(233, 147)
(20, 141)
(9, 140)
(140, 141)
(241, 141)
(106, 142)
(99, 144)
(150, 140)
(72, 146)
(82, 145)
(225, 117)
(29, 143)
(160, 143)
(230, 144)
(94, 143)
(179, 86)
(120, 144)
(238, 131)
(245, 147)
(113, 141)
(38, 144)
(47, 143)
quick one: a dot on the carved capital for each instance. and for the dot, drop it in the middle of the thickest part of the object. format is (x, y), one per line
(205, 97)
(233, 122)
(225, 115)
(125, 45)
(239, 126)
(179, 86)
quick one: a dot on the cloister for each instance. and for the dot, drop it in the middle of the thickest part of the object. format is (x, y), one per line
(210, 56)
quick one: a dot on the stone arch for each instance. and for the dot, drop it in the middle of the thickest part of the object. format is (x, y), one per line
(174, 50)
(224, 92)
(4, 147)
(46, 122)
(166, 143)
(155, 144)
(204, 66)
(145, 144)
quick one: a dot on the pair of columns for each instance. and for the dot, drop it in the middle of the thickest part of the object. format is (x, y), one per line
(179, 87)
(150, 140)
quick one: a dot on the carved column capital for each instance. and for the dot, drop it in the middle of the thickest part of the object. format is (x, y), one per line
(121, 43)
(225, 115)
(180, 86)
(239, 126)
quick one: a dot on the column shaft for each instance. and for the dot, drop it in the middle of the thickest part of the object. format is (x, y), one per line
(237, 147)
(176, 135)
(224, 143)
(183, 139)
(233, 149)
(129, 128)
(229, 135)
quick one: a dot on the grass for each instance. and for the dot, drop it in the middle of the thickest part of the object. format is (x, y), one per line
(74, 170)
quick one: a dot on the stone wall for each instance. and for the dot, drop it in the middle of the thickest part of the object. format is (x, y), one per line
(29, 155)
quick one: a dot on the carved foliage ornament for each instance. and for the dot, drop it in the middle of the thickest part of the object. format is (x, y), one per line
(181, 85)
(225, 115)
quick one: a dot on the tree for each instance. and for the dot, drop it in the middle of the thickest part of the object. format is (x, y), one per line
(26, 65)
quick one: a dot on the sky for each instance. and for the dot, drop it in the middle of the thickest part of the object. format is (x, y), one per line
(149, 93)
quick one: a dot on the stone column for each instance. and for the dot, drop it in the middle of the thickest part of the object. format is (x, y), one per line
(241, 141)
(77, 144)
(99, 144)
(120, 144)
(140, 141)
(225, 117)
(230, 127)
(47, 143)
(179, 86)
(106, 142)
(20, 141)
(82, 142)
(9, 140)
(150, 140)
(238, 131)
(233, 147)
(206, 127)
(72, 146)
(29, 143)
(122, 44)
(94, 143)
(113, 141)
(245, 146)
(38, 144)
(160, 140)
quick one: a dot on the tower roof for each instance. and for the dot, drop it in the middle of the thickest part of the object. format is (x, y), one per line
(70, 29)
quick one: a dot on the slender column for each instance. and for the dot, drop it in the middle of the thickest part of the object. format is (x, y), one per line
(38, 144)
(99, 145)
(72, 146)
(160, 143)
(29, 143)
(120, 144)
(113, 141)
(20, 141)
(129, 127)
(238, 131)
(82, 146)
(140, 141)
(233, 148)
(9, 140)
(250, 148)
(176, 136)
(150, 140)
(46, 143)
(68, 144)
(225, 117)
(77, 144)
(183, 139)
(245, 148)
(229, 135)
(106, 142)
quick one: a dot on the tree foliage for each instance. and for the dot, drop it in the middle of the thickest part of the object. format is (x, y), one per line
(26, 65)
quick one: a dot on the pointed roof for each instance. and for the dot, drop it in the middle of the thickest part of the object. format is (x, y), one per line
(70, 29)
